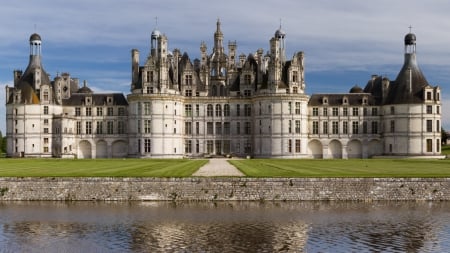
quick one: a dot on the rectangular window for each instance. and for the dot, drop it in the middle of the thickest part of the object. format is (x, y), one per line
(315, 111)
(290, 126)
(428, 95)
(147, 126)
(209, 146)
(188, 93)
(197, 128)
(290, 107)
(355, 127)
(438, 109)
(187, 146)
(45, 122)
(238, 110)
(247, 79)
(197, 110)
(429, 109)
(78, 127)
(247, 93)
(345, 127)
(297, 146)
(147, 145)
(297, 107)
(138, 126)
(197, 146)
(99, 111)
(209, 110)
(374, 111)
(297, 126)
(345, 111)
(365, 112)
(77, 111)
(429, 125)
(289, 146)
(188, 110)
(121, 111)
(147, 108)
(88, 127)
(45, 95)
(110, 111)
(45, 140)
(238, 127)
(429, 145)
(374, 127)
(45, 149)
(209, 128)
(88, 111)
(226, 128)
(46, 130)
(364, 127)
(438, 126)
(248, 129)
(335, 111)
(218, 127)
(247, 110)
(46, 110)
(355, 111)
(325, 127)
(110, 127)
(188, 127)
(392, 126)
(335, 127)
(392, 110)
(226, 110)
(315, 127)
(121, 127)
(325, 111)
(99, 127)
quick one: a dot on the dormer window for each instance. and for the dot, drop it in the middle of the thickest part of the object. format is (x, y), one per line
(429, 95)
(325, 100)
(364, 101)
(345, 101)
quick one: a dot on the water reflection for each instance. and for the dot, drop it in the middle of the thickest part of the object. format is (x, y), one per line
(224, 227)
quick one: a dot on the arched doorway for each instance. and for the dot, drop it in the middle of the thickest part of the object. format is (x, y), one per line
(84, 149)
(119, 149)
(102, 150)
(335, 149)
(354, 149)
(315, 149)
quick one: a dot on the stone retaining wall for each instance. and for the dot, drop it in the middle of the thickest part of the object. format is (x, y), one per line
(224, 189)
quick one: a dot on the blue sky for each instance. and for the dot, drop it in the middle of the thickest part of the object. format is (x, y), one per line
(344, 41)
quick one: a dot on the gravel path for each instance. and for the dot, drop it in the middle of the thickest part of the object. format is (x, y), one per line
(218, 167)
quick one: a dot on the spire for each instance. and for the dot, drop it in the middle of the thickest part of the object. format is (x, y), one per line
(218, 39)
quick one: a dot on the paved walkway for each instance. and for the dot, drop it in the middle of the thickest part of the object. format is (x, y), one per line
(218, 167)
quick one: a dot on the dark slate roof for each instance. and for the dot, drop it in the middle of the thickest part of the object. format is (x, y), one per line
(375, 87)
(408, 86)
(25, 84)
(97, 99)
(337, 99)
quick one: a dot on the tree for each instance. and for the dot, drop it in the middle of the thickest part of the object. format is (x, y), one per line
(444, 136)
(1, 142)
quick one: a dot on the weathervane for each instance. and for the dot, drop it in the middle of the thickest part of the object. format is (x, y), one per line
(410, 27)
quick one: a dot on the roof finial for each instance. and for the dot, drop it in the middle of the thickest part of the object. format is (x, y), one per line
(280, 23)
(156, 21)
(410, 27)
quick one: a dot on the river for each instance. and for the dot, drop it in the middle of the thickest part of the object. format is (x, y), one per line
(224, 227)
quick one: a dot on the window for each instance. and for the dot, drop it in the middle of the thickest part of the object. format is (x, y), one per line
(147, 145)
(429, 125)
(187, 146)
(77, 111)
(197, 110)
(209, 128)
(355, 111)
(335, 127)
(365, 112)
(218, 127)
(290, 146)
(295, 89)
(45, 109)
(150, 76)
(247, 79)
(99, 111)
(315, 127)
(197, 127)
(188, 80)
(335, 111)
(290, 126)
(110, 127)
(45, 140)
(248, 129)
(88, 127)
(355, 127)
(45, 149)
(364, 127)
(45, 95)
(429, 109)
(188, 127)
(392, 110)
(429, 95)
(294, 76)
(438, 126)
(188, 93)
(297, 107)
(438, 109)
(238, 110)
(138, 125)
(88, 111)
(247, 110)
(374, 127)
(325, 111)
(209, 146)
(392, 126)
(209, 110)
(345, 111)
(226, 110)
(121, 111)
(218, 110)
(297, 146)
(99, 127)
(78, 127)
(247, 93)
(121, 127)
(110, 111)
(188, 110)
(374, 111)
(297, 126)
(226, 128)
(147, 108)
(197, 146)
(147, 126)
(238, 127)
(325, 127)
(290, 107)
(315, 111)
(429, 145)
(345, 127)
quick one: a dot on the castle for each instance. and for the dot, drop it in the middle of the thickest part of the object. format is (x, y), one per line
(221, 104)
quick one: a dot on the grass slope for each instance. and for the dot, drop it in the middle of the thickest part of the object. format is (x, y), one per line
(99, 167)
(343, 168)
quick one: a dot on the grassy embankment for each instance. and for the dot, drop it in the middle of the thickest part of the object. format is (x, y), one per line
(99, 167)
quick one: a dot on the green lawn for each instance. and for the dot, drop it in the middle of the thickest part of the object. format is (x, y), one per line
(99, 167)
(446, 150)
(344, 168)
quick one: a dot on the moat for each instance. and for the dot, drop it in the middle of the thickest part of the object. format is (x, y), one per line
(305, 226)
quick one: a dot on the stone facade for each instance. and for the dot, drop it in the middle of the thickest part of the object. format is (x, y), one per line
(222, 104)
(224, 189)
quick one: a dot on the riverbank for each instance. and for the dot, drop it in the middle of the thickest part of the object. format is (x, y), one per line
(222, 189)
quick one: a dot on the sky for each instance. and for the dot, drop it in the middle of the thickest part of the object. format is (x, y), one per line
(344, 41)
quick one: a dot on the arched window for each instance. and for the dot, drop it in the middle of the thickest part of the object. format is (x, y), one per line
(226, 110)
(209, 110)
(218, 110)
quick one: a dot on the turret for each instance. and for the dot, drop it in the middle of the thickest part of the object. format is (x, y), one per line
(134, 66)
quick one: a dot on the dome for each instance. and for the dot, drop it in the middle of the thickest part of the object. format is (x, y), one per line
(356, 89)
(410, 39)
(280, 33)
(84, 89)
(35, 36)
(156, 33)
